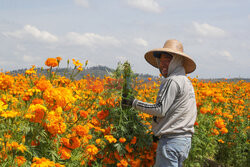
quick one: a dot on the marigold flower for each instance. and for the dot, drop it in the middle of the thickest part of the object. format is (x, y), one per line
(77, 63)
(133, 141)
(110, 138)
(9, 114)
(122, 163)
(127, 147)
(122, 140)
(219, 123)
(39, 162)
(83, 113)
(221, 141)
(223, 130)
(81, 130)
(38, 112)
(203, 110)
(196, 123)
(92, 149)
(65, 153)
(43, 84)
(58, 59)
(20, 160)
(6, 81)
(51, 62)
(72, 143)
(102, 114)
(215, 132)
(21, 148)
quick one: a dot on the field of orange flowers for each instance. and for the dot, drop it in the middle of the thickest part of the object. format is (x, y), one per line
(51, 120)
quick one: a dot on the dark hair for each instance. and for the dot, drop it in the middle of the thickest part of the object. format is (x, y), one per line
(158, 54)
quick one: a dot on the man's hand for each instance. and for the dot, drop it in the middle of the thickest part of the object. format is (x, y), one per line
(127, 102)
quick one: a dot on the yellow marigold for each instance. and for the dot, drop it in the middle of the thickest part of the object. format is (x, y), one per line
(92, 149)
(21, 148)
(39, 162)
(51, 62)
(77, 63)
(9, 114)
(3, 106)
(31, 71)
(110, 138)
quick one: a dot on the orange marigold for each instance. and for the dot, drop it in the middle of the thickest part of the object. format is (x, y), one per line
(223, 130)
(92, 149)
(215, 132)
(81, 130)
(122, 163)
(43, 84)
(133, 141)
(102, 114)
(72, 143)
(122, 140)
(219, 123)
(65, 153)
(20, 160)
(51, 62)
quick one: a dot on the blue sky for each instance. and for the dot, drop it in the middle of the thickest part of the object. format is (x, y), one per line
(215, 33)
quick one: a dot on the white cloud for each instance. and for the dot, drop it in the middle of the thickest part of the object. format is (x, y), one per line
(84, 3)
(34, 32)
(146, 5)
(248, 17)
(207, 30)
(91, 39)
(140, 41)
(226, 54)
(28, 59)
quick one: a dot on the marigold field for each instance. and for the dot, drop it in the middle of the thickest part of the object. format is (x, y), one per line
(50, 120)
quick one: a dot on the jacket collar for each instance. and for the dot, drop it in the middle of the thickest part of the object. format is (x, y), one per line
(178, 71)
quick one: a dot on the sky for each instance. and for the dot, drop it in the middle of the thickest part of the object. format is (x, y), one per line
(214, 33)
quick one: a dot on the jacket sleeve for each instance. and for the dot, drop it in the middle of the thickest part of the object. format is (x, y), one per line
(165, 99)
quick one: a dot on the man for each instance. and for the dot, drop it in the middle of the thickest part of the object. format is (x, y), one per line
(174, 112)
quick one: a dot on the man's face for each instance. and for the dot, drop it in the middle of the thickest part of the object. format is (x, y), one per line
(164, 63)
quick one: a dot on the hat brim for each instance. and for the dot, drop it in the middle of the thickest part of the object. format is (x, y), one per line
(188, 63)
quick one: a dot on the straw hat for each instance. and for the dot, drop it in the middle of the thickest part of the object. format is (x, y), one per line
(173, 47)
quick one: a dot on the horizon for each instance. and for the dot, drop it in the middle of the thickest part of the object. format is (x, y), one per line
(156, 76)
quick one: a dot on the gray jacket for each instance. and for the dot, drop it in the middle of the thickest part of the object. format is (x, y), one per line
(175, 109)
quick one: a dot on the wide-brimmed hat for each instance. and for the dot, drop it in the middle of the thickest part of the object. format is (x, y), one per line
(172, 47)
